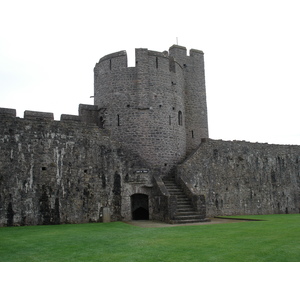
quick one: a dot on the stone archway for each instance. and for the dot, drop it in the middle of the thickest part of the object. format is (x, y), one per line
(140, 207)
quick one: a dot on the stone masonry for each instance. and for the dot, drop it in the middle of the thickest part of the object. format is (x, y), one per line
(63, 172)
(157, 108)
(111, 161)
(242, 178)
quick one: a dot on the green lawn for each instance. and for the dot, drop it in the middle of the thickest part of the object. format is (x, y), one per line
(276, 239)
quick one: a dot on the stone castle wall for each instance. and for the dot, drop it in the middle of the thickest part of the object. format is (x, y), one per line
(54, 172)
(240, 178)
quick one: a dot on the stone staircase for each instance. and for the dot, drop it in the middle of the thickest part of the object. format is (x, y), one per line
(185, 212)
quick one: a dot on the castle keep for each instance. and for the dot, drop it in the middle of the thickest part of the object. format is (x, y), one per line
(140, 152)
(157, 108)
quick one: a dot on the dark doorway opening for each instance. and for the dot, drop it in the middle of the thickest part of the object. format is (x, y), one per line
(140, 214)
(140, 207)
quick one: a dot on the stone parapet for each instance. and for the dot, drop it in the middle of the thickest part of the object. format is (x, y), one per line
(67, 118)
(8, 112)
(33, 115)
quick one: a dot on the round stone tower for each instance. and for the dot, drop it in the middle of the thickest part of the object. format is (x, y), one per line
(145, 107)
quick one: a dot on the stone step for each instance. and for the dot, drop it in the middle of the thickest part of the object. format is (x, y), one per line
(192, 215)
(177, 193)
(188, 221)
(184, 202)
(185, 212)
(183, 205)
(174, 190)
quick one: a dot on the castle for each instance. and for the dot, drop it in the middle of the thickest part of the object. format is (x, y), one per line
(142, 151)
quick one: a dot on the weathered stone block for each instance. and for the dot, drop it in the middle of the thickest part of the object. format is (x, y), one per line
(106, 215)
(8, 112)
(34, 115)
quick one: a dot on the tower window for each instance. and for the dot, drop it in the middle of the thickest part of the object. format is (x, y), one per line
(110, 64)
(192, 134)
(118, 118)
(101, 122)
(156, 62)
(179, 118)
(169, 120)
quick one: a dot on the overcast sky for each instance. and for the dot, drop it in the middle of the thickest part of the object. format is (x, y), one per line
(48, 50)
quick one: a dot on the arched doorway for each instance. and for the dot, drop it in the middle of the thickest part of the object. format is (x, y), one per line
(140, 207)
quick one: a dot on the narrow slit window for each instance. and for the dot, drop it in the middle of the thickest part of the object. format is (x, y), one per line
(156, 62)
(192, 134)
(118, 119)
(179, 118)
(101, 122)
(110, 64)
(169, 120)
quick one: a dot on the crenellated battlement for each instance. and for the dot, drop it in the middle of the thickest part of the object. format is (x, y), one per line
(112, 62)
(119, 60)
(8, 112)
(33, 115)
(114, 55)
(72, 118)
(86, 113)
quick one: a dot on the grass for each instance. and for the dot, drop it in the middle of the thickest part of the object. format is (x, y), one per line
(276, 239)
